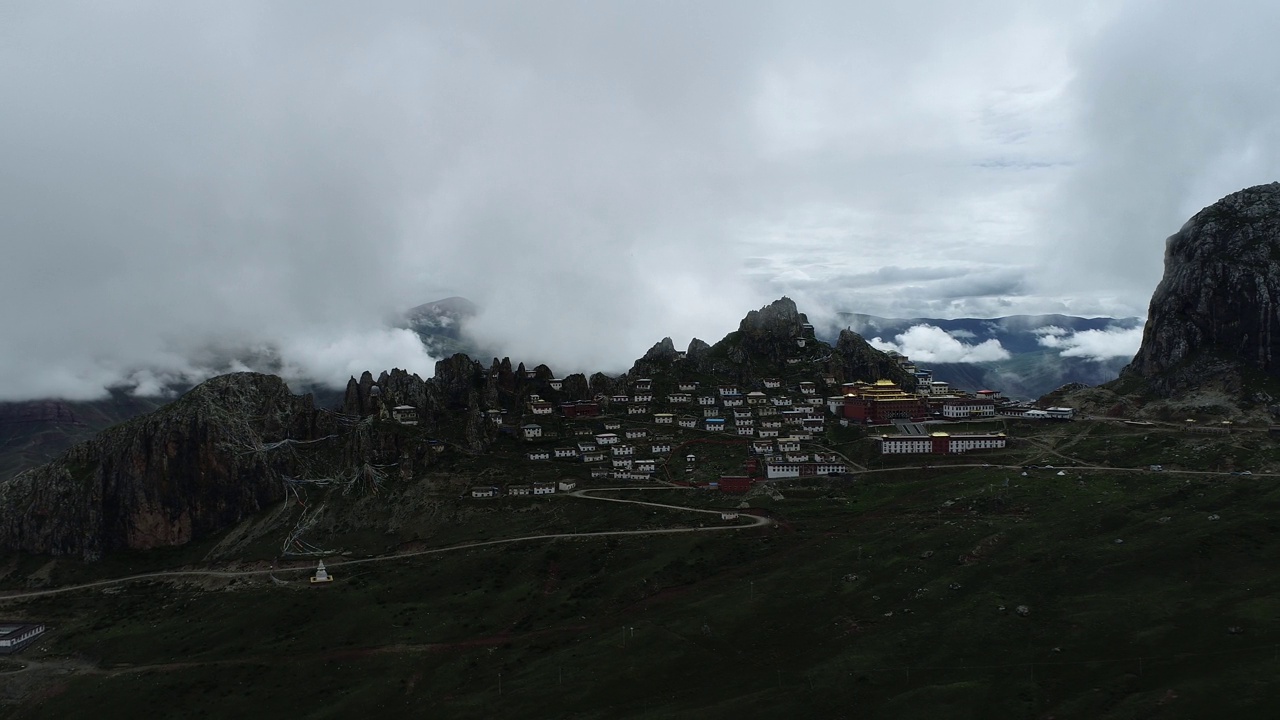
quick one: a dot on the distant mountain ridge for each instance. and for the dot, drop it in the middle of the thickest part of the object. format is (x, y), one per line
(1033, 367)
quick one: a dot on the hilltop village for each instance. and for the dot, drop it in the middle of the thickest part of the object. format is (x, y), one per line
(651, 430)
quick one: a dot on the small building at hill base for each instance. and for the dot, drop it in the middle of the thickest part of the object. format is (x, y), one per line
(14, 636)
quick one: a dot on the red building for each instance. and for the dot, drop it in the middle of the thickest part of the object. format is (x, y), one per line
(882, 403)
(735, 484)
(580, 409)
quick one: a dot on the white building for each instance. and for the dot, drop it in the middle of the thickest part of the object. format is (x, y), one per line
(687, 422)
(405, 414)
(623, 450)
(531, 431)
(733, 401)
(964, 410)
(772, 383)
(728, 390)
(706, 400)
(567, 486)
(636, 433)
(757, 398)
(15, 636)
(905, 444)
(664, 419)
(714, 424)
(607, 439)
(660, 448)
(687, 386)
(520, 490)
(788, 444)
(776, 470)
(566, 453)
(711, 411)
(540, 455)
(593, 456)
(964, 443)
(1061, 413)
(638, 410)
(556, 383)
(679, 398)
(485, 492)
(541, 407)
(544, 488)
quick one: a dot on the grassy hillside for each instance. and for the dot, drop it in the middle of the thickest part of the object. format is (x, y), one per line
(894, 594)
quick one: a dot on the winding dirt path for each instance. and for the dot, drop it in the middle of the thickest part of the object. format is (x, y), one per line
(756, 521)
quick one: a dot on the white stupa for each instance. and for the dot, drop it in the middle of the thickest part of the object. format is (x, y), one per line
(322, 575)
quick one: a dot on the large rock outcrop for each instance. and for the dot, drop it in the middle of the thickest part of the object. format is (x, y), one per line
(1217, 309)
(179, 474)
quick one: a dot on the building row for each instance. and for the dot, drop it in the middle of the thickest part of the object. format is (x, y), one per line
(537, 488)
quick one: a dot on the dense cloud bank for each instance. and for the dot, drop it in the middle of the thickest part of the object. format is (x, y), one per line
(194, 187)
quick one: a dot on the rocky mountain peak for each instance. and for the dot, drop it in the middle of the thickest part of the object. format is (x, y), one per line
(777, 319)
(1219, 299)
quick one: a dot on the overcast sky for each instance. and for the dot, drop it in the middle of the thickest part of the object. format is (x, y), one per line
(180, 181)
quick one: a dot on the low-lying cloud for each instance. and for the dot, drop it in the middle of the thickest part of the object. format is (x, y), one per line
(1114, 342)
(929, 343)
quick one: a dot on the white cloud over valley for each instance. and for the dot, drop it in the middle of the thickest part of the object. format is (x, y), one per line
(1099, 345)
(931, 344)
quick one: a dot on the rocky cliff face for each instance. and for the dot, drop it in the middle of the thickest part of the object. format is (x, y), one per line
(1217, 309)
(854, 359)
(182, 473)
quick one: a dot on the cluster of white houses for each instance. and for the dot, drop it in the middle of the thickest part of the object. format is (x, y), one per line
(776, 416)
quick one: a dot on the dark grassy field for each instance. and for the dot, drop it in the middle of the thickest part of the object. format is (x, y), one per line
(892, 596)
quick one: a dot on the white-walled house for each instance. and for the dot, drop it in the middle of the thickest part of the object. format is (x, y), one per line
(540, 455)
(531, 431)
(664, 419)
(405, 414)
(607, 439)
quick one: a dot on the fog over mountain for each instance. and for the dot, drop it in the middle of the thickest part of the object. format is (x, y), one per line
(190, 188)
